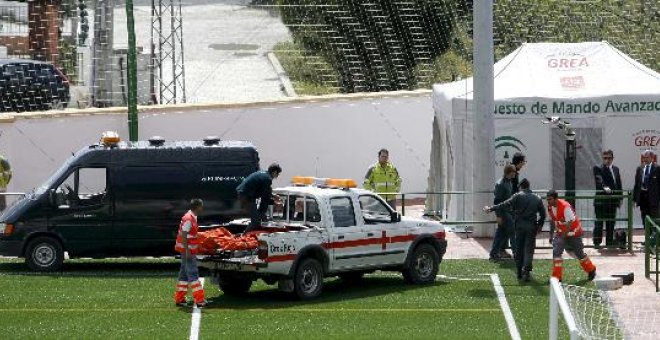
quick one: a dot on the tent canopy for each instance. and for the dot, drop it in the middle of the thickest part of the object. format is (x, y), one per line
(578, 81)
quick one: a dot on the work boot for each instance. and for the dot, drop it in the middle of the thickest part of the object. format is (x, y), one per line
(592, 275)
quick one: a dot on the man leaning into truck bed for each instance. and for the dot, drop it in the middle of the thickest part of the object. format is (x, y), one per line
(258, 186)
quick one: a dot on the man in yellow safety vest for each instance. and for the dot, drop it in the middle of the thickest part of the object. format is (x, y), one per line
(5, 177)
(383, 177)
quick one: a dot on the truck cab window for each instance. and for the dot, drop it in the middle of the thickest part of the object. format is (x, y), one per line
(83, 187)
(374, 210)
(342, 212)
(299, 209)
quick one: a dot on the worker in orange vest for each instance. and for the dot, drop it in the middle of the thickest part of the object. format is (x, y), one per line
(186, 245)
(567, 235)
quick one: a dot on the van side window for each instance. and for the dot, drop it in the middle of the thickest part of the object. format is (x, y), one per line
(342, 212)
(83, 187)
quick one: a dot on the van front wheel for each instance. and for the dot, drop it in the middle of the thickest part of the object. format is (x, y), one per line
(44, 254)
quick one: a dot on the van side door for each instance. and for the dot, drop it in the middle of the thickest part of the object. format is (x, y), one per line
(150, 200)
(81, 212)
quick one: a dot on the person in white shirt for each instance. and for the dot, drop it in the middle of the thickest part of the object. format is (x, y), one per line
(647, 186)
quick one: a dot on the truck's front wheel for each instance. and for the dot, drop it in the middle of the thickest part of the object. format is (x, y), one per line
(423, 265)
(235, 285)
(44, 254)
(308, 281)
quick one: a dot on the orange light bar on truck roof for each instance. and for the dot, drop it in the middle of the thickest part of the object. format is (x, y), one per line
(341, 183)
(302, 180)
(330, 182)
(109, 138)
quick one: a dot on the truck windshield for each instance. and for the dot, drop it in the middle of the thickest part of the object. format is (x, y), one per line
(297, 209)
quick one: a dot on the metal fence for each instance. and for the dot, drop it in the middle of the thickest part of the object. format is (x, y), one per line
(460, 218)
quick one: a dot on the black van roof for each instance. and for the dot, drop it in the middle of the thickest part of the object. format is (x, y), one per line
(174, 151)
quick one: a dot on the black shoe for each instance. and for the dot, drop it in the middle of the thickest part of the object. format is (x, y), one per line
(592, 275)
(596, 246)
(505, 255)
(495, 259)
(201, 304)
(526, 276)
(182, 304)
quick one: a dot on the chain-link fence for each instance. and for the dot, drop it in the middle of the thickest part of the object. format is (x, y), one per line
(73, 53)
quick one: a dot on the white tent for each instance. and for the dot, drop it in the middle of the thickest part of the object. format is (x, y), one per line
(612, 101)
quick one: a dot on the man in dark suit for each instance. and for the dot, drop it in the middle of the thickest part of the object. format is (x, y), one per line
(608, 183)
(529, 215)
(647, 186)
(519, 160)
(504, 232)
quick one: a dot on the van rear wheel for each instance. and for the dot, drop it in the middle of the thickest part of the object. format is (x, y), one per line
(44, 254)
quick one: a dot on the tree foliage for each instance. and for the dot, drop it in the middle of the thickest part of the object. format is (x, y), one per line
(379, 45)
(374, 45)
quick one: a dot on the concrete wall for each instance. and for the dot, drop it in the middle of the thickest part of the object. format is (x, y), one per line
(324, 136)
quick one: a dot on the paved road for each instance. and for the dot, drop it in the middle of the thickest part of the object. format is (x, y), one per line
(225, 48)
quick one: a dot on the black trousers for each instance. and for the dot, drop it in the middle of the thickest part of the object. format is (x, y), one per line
(605, 211)
(646, 208)
(524, 244)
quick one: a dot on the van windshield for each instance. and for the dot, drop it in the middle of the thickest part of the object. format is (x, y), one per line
(50, 182)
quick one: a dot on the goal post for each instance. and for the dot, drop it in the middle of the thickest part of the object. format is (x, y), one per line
(558, 303)
(587, 313)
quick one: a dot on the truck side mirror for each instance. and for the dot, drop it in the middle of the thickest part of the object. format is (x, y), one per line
(396, 217)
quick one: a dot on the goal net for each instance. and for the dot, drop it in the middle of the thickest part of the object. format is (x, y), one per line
(587, 313)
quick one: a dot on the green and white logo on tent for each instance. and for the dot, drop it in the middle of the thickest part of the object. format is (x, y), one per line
(505, 147)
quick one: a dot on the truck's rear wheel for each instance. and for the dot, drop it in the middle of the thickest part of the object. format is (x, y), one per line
(44, 254)
(235, 285)
(308, 280)
(423, 265)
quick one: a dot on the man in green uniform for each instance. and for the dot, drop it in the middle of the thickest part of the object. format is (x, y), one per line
(383, 177)
(5, 177)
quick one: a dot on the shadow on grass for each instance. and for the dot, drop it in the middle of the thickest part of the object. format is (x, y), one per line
(333, 291)
(99, 268)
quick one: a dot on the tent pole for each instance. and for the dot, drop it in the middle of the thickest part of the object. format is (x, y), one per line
(483, 168)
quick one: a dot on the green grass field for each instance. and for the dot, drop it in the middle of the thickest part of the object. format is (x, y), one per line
(133, 298)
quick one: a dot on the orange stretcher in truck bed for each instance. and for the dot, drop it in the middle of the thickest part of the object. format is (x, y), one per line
(221, 239)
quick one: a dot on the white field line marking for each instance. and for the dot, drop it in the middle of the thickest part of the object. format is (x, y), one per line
(508, 316)
(196, 318)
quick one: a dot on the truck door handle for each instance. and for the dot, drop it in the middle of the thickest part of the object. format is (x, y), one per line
(340, 237)
(370, 234)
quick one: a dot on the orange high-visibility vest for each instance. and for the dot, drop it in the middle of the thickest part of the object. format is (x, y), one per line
(560, 226)
(193, 240)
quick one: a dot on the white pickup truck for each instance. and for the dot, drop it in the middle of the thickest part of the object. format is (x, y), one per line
(327, 231)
